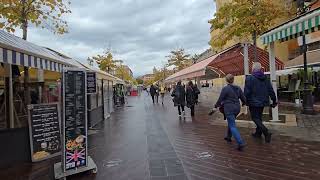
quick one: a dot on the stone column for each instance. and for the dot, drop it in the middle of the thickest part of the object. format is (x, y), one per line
(273, 78)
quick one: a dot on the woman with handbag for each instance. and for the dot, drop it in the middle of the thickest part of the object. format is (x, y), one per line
(229, 104)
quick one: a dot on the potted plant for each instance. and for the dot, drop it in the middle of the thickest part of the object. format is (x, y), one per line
(309, 76)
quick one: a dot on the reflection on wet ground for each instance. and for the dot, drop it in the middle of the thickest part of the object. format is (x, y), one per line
(144, 141)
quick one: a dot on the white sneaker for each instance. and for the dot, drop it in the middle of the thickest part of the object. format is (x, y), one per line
(183, 113)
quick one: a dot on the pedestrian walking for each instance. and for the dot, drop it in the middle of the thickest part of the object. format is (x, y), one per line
(152, 92)
(258, 91)
(169, 89)
(191, 96)
(229, 102)
(162, 93)
(157, 93)
(197, 92)
(179, 97)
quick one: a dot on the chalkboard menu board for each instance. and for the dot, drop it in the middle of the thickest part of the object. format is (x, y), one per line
(91, 83)
(44, 128)
(74, 119)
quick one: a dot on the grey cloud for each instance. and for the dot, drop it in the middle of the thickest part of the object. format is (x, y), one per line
(141, 32)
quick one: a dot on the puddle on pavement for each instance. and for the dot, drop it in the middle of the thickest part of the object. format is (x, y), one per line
(112, 163)
(204, 155)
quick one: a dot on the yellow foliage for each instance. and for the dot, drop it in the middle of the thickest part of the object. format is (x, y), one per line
(105, 61)
(43, 13)
(244, 18)
(123, 74)
(179, 59)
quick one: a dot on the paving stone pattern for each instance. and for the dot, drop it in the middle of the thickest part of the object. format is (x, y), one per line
(163, 161)
(308, 121)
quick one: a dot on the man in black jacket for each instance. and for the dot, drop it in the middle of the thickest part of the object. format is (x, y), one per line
(192, 93)
(153, 92)
(258, 91)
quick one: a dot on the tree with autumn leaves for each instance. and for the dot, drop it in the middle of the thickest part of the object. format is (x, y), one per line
(122, 73)
(105, 61)
(41, 13)
(246, 19)
(179, 59)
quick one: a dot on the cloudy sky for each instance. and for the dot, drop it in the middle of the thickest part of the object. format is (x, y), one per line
(140, 32)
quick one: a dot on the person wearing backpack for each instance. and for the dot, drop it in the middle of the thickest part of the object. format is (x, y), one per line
(229, 100)
(179, 97)
(258, 91)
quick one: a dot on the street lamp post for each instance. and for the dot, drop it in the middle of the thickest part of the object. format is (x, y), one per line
(307, 93)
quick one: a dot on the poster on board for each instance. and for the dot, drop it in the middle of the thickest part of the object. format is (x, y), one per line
(74, 119)
(91, 82)
(44, 128)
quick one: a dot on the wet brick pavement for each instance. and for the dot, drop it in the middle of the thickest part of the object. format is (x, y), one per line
(162, 158)
(147, 141)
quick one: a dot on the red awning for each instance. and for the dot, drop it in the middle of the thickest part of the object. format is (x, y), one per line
(196, 70)
(229, 61)
(232, 61)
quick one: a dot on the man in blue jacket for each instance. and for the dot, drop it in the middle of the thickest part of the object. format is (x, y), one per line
(258, 91)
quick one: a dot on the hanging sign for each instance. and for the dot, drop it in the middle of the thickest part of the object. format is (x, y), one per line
(44, 128)
(91, 83)
(74, 119)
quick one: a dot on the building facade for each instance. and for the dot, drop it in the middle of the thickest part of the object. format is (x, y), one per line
(147, 77)
(129, 71)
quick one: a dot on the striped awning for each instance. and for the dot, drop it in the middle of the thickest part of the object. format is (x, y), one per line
(17, 58)
(294, 28)
(16, 51)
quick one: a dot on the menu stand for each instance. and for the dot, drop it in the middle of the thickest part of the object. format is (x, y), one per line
(75, 157)
(59, 174)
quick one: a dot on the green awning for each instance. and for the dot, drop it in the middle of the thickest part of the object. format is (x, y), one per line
(294, 28)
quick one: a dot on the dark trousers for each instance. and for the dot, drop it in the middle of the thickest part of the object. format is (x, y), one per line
(180, 107)
(192, 110)
(157, 98)
(256, 116)
(152, 96)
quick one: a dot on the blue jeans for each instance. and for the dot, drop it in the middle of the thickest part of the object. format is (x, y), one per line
(231, 118)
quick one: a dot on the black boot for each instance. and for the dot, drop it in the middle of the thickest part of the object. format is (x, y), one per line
(241, 147)
(228, 139)
(256, 135)
(268, 138)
